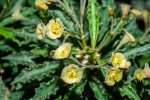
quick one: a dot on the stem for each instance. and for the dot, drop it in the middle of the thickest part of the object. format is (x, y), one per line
(111, 25)
(69, 11)
(148, 30)
(117, 27)
(96, 66)
(66, 38)
(4, 9)
(82, 7)
(75, 60)
(73, 32)
(103, 43)
(131, 79)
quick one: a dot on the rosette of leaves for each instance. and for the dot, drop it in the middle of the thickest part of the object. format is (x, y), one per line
(30, 72)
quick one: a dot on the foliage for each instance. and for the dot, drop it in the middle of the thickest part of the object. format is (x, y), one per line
(29, 70)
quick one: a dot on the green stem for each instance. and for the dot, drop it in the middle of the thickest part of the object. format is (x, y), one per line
(69, 11)
(96, 66)
(82, 7)
(75, 60)
(145, 34)
(73, 32)
(104, 41)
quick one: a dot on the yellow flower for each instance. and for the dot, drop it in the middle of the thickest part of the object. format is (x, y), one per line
(118, 60)
(40, 31)
(42, 4)
(147, 70)
(62, 51)
(114, 75)
(71, 74)
(54, 29)
(139, 74)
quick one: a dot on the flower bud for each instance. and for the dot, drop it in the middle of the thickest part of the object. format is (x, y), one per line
(71, 74)
(40, 30)
(16, 16)
(118, 60)
(114, 75)
(126, 38)
(54, 29)
(62, 51)
(145, 14)
(147, 70)
(110, 10)
(85, 61)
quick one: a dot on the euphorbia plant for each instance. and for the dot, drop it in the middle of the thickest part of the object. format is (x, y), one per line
(73, 48)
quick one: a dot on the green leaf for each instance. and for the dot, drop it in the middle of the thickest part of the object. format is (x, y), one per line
(138, 50)
(17, 95)
(44, 51)
(93, 17)
(37, 72)
(2, 89)
(78, 88)
(32, 37)
(24, 58)
(127, 90)
(5, 47)
(47, 89)
(98, 89)
(7, 33)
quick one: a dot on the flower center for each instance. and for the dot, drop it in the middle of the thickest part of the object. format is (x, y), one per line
(72, 73)
(65, 52)
(42, 5)
(113, 75)
(139, 76)
(116, 60)
(56, 28)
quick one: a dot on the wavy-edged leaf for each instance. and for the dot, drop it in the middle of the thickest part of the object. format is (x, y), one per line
(2, 90)
(47, 89)
(24, 58)
(7, 33)
(17, 95)
(93, 17)
(32, 37)
(98, 89)
(44, 51)
(78, 88)
(37, 72)
(5, 47)
(138, 50)
(127, 90)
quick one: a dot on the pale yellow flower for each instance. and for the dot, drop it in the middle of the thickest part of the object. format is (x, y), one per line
(62, 51)
(139, 74)
(114, 75)
(42, 4)
(40, 31)
(54, 29)
(118, 60)
(71, 74)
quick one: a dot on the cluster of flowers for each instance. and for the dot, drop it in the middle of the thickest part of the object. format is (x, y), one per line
(73, 73)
